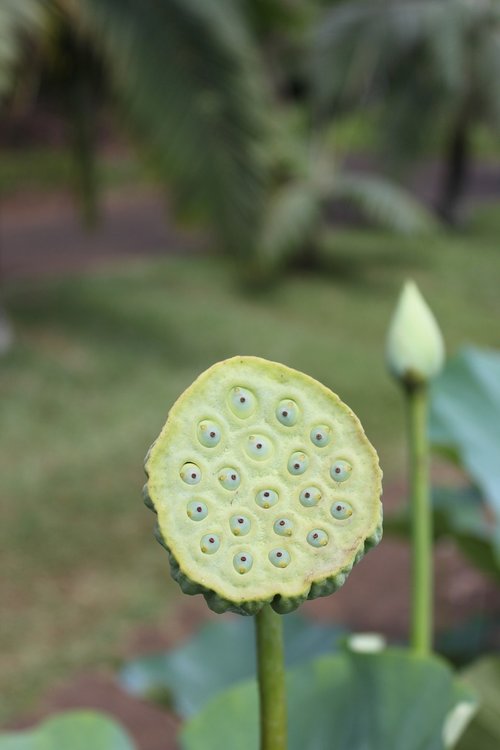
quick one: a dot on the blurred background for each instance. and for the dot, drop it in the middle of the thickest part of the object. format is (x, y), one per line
(186, 180)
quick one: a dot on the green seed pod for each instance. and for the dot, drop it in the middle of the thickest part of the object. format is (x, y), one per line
(415, 347)
(213, 501)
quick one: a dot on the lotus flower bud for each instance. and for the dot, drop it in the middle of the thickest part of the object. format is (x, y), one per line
(415, 347)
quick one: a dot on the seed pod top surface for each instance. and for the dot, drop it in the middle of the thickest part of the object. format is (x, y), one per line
(265, 487)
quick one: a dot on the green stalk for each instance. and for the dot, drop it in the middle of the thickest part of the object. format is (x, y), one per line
(271, 676)
(421, 522)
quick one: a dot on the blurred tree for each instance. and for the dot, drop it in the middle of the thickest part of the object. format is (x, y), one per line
(433, 67)
(75, 75)
(218, 93)
(189, 84)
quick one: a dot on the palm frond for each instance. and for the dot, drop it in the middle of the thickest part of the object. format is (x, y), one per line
(189, 77)
(361, 45)
(384, 203)
(18, 19)
(289, 223)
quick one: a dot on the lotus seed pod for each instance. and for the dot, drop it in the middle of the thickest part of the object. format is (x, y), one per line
(415, 347)
(264, 511)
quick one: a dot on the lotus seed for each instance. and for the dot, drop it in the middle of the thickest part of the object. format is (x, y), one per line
(287, 412)
(298, 463)
(242, 402)
(209, 544)
(242, 562)
(310, 496)
(317, 538)
(229, 478)
(239, 525)
(258, 447)
(197, 510)
(190, 473)
(279, 557)
(266, 498)
(341, 511)
(283, 527)
(321, 435)
(209, 434)
(340, 471)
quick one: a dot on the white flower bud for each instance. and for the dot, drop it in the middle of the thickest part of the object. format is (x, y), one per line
(415, 347)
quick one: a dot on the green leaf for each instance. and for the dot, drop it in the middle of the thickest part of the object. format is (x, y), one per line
(458, 514)
(465, 417)
(384, 202)
(483, 732)
(76, 730)
(464, 642)
(289, 222)
(392, 700)
(221, 654)
(188, 74)
(17, 20)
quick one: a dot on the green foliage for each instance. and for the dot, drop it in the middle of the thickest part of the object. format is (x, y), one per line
(425, 59)
(385, 203)
(384, 701)
(187, 73)
(458, 514)
(291, 220)
(93, 348)
(221, 654)
(76, 730)
(483, 733)
(18, 19)
(465, 417)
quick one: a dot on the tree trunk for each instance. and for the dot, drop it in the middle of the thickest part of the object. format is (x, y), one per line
(456, 172)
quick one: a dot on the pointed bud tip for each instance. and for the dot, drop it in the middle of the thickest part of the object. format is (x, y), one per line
(415, 347)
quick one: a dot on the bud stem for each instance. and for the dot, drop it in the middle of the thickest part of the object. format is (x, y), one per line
(271, 676)
(421, 517)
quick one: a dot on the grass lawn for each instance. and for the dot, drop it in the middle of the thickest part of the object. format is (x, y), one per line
(98, 361)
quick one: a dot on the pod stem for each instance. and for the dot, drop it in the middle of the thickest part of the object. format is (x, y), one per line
(421, 522)
(271, 677)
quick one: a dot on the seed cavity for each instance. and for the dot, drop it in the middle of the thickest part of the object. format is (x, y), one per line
(242, 402)
(340, 471)
(287, 412)
(266, 498)
(239, 525)
(242, 562)
(283, 527)
(279, 557)
(317, 538)
(229, 478)
(209, 433)
(321, 435)
(209, 543)
(197, 510)
(190, 473)
(310, 496)
(259, 447)
(341, 511)
(298, 463)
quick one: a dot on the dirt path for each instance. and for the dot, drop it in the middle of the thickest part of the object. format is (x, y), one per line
(42, 234)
